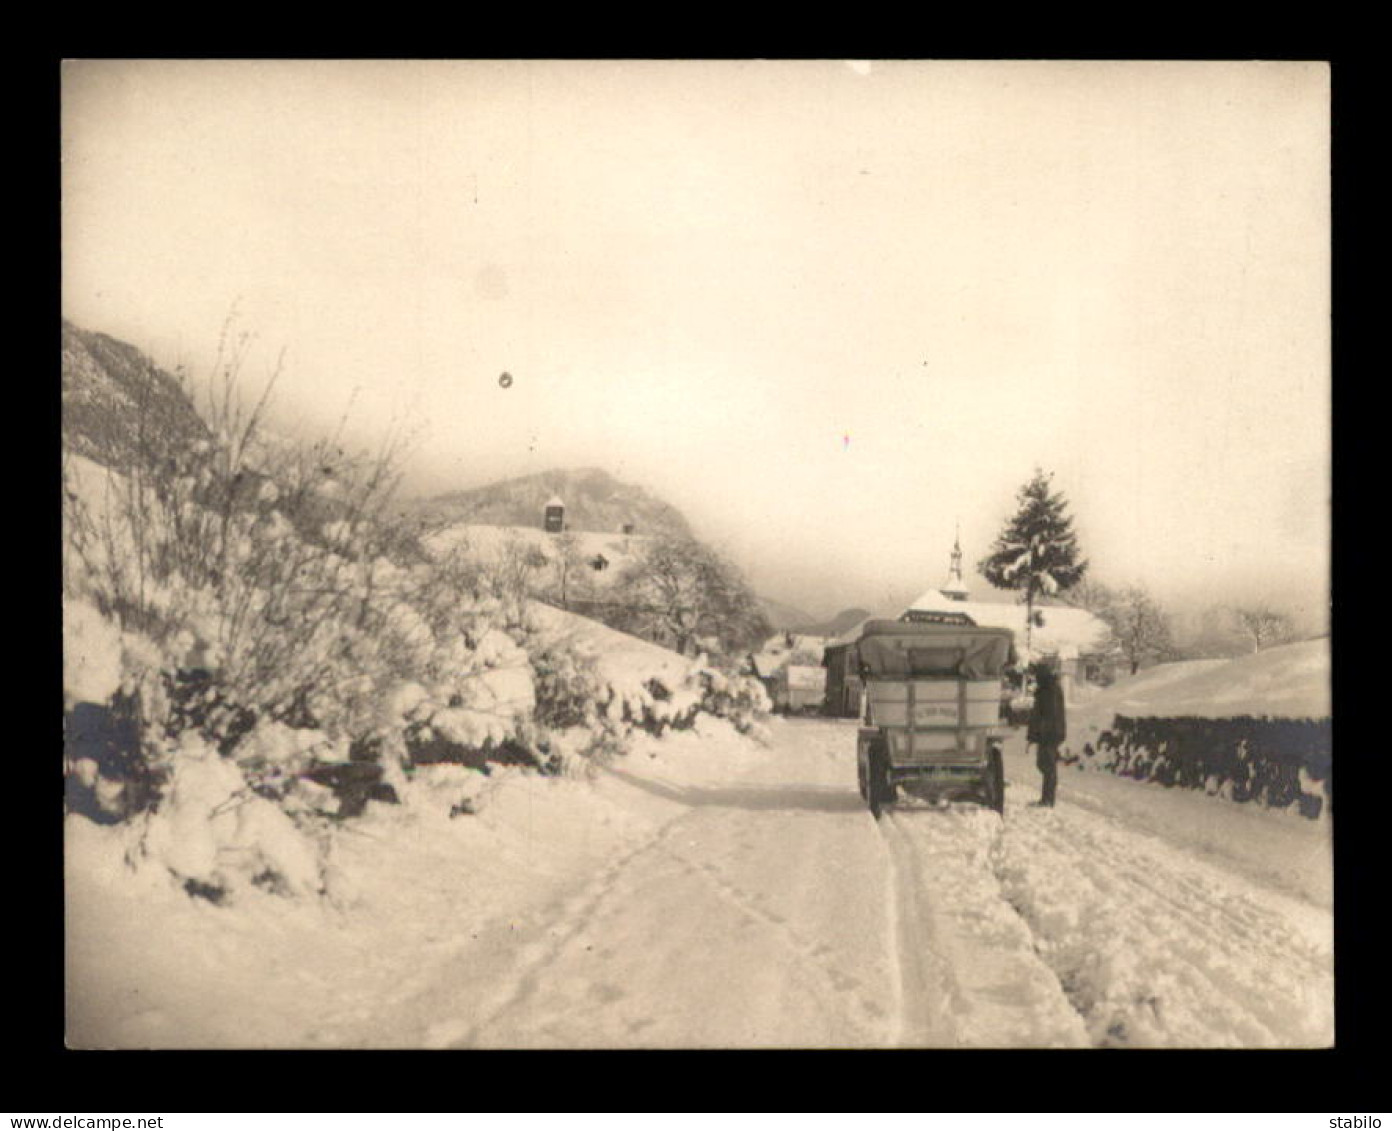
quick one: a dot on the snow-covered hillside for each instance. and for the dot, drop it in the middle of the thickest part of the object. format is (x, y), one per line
(492, 542)
(594, 500)
(1289, 681)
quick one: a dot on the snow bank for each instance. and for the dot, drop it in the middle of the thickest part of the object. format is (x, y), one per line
(91, 654)
(427, 905)
(625, 661)
(1290, 681)
(1264, 735)
(216, 836)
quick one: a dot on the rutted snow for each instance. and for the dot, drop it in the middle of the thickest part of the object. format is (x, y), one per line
(978, 981)
(1155, 949)
(709, 892)
(1280, 851)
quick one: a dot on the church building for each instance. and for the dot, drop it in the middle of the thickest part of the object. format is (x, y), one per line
(1073, 637)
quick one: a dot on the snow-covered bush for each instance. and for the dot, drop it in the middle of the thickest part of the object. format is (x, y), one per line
(247, 616)
(216, 833)
(599, 688)
(256, 647)
(742, 699)
(1276, 762)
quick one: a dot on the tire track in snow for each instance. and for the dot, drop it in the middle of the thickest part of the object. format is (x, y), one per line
(921, 980)
(986, 985)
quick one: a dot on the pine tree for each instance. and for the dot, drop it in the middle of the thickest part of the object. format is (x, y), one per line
(1037, 552)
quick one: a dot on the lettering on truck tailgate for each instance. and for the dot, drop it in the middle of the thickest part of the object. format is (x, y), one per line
(929, 713)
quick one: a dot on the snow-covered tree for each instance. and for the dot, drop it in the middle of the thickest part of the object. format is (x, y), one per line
(517, 569)
(1037, 552)
(566, 567)
(1263, 626)
(1138, 627)
(680, 590)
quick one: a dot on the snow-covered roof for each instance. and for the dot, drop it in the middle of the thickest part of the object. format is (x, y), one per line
(554, 501)
(1066, 632)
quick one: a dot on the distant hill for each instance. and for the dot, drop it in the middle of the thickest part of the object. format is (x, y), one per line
(781, 616)
(594, 501)
(845, 619)
(115, 399)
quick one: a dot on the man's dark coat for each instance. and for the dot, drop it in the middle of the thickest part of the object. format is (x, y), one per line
(1047, 723)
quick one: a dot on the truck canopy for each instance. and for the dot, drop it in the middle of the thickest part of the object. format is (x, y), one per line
(890, 649)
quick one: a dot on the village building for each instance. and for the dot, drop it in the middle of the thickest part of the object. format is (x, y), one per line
(789, 667)
(1074, 638)
(843, 684)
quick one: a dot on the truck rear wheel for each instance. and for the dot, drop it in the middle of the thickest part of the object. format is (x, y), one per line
(995, 781)
(879, 790)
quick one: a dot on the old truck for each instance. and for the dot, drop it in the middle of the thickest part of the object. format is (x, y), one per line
(930, 722)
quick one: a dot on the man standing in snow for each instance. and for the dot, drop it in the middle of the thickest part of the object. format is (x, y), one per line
(1047, 727)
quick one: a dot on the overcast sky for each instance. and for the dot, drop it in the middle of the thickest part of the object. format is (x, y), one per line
(828, 309)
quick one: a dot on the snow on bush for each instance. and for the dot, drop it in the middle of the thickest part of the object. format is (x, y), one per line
(617, 686)
(222, 605)
(217, 836)
(1278, 763)
(92, 669)
(257, 646)
(261, 650)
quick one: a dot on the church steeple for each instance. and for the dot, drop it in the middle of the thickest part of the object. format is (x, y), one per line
(956, 588)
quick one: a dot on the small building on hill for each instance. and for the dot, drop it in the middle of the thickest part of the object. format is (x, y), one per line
(553, 517)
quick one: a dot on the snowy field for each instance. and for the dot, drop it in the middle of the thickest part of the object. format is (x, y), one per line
(711, 891)
(1289, 681)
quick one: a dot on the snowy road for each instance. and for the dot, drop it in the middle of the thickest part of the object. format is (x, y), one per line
(774, 911)
(708, 893)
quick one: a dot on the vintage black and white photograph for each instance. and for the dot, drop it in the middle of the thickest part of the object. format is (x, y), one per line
(696, 554)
